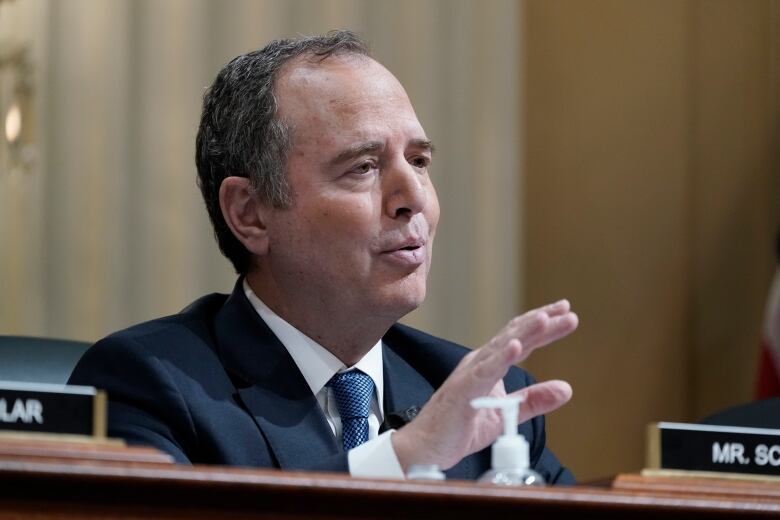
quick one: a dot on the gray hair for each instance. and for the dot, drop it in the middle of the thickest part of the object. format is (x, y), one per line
(240, 135)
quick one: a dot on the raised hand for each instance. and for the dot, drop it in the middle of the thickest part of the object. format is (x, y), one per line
(448, 428)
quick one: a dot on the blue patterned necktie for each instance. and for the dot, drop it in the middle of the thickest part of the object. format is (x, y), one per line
(353, 391)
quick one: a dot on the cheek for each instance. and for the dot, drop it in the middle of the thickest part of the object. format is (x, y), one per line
(432, 211)
(354, 211)
(347, 221)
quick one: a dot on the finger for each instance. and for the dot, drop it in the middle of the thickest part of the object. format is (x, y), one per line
(557, 308)
(532, 327)
(531, 330)
(552, 330)
(498, 359)
(522, 327)
(487, 366)
(542, 398)
(538, 330)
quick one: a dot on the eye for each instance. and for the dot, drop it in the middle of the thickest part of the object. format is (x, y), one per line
(420, 161)
(363, 168)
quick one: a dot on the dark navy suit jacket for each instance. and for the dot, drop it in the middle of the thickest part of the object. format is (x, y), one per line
(213, 385)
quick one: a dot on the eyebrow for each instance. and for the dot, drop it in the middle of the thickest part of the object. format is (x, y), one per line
(356, 150)
(359, 149)
(423, 143)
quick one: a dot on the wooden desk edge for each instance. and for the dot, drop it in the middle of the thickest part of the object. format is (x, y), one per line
(256, 486)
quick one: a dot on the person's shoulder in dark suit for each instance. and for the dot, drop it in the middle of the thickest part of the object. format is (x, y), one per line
(156, 373)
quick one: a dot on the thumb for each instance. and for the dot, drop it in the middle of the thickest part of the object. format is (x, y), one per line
(542, 398)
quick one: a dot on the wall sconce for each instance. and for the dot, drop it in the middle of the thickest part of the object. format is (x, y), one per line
(17, 150)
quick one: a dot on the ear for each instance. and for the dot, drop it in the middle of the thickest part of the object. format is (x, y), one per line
(244, 214)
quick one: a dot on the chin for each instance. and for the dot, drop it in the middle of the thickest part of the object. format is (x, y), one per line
(400, 303)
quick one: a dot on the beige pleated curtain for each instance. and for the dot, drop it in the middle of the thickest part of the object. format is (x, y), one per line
(109, 229)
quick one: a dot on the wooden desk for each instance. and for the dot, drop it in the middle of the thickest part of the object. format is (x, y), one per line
(44, 484)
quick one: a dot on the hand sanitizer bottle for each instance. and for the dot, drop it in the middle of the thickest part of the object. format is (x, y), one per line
(509, 454)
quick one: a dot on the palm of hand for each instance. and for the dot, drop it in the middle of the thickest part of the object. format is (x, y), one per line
(448, 428)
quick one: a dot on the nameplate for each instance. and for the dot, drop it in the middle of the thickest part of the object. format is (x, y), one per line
(52, 409)
(709, 448)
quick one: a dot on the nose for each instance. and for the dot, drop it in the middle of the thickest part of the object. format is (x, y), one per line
(405, 190)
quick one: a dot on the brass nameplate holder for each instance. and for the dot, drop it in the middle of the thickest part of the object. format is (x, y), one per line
(709, 450)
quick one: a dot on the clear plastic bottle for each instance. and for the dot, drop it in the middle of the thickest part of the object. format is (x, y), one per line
(509, 454)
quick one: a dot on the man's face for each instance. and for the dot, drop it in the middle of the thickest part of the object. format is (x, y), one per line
(360, 231)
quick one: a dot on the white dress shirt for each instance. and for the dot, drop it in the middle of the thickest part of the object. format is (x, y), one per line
(374, 458)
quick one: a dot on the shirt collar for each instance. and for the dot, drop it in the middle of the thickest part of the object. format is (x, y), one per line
(316, 363)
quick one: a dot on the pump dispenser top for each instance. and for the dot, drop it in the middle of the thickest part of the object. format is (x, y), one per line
(509, 453)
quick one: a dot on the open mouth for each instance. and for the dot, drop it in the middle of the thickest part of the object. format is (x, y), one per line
(410, 256)
(411, 249)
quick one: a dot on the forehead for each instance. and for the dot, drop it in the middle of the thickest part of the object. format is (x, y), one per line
(343, 96)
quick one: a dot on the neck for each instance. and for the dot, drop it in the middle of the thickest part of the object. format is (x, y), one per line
(347, 333)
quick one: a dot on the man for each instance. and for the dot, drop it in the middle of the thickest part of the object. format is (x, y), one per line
(314, 170)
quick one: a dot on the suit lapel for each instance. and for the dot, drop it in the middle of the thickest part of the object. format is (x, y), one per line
(292, 423)
(271, 387)
(404, 386)
(278, 398)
